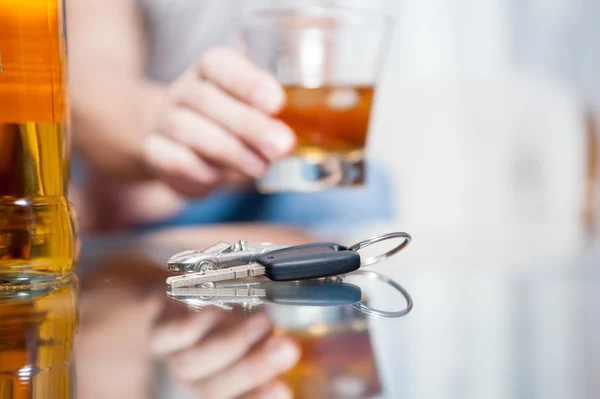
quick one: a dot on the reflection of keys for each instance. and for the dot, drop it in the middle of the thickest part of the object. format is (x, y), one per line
(293, 263)
(249, 294)
(242, 291)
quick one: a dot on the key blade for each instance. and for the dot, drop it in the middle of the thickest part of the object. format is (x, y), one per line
(216, 275)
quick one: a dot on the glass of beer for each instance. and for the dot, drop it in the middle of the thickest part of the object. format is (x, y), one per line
(328, 60)
(37, 240)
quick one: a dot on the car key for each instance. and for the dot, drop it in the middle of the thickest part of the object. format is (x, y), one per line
(297, 263)
(293, 263)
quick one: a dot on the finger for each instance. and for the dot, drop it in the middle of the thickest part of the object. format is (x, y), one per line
(176, 335)
(178, 165)
(273, 390)
(275, 357)
(240, 77)
(271, 138)
(221, 350)
(210, 140)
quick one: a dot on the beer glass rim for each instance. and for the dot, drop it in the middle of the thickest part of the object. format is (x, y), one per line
(264, 18)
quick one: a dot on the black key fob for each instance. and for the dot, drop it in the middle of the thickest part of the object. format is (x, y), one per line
(309, 261)
(314, 293)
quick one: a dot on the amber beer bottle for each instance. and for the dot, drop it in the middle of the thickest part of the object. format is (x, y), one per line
(37, 240)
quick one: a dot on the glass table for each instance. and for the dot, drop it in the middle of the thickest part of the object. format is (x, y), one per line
(477, 328)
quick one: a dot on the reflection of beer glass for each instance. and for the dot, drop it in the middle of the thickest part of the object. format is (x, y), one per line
(328, 60)
(338, 360)
(36, 230)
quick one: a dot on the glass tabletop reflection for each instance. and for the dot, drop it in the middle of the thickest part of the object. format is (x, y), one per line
(118, 331)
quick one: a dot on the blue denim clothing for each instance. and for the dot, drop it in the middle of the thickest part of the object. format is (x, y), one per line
(326, 211)
(329, 210)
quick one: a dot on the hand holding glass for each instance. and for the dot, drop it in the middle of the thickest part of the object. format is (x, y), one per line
(328, 60)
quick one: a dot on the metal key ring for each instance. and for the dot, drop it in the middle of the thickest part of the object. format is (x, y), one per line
(374, 240)
(383, 313)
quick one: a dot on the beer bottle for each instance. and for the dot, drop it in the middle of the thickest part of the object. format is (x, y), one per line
(37, 239)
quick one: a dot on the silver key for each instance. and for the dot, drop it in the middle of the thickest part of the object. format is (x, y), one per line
(212, 276)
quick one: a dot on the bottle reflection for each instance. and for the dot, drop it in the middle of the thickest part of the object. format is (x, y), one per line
(37, 329)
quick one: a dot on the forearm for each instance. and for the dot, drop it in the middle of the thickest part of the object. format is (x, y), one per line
(111, 116)
(113, 105)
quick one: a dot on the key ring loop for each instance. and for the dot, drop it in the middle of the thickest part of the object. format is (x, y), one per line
(383, 313)
(374, 240)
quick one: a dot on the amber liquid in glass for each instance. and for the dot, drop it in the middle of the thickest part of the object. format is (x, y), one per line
(328, 119)
(37, 331)
(36, 227)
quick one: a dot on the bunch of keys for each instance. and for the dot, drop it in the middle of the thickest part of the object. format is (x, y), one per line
(223, 262)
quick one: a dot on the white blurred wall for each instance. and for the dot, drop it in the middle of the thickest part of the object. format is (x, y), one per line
(480, 111)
